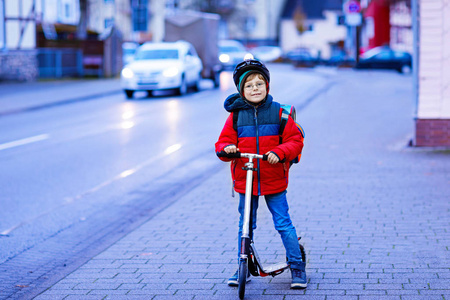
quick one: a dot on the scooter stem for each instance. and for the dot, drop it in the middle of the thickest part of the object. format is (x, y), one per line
(248, 199)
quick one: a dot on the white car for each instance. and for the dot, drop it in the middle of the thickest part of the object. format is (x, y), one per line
(128, 50)
(231, 53)
(161, 66)
(267, 53)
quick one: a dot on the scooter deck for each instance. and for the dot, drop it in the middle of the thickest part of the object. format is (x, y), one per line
(275, 268)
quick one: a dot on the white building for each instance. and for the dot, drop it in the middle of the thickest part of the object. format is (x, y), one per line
(319, 21)
(433, 73)
(323, 33)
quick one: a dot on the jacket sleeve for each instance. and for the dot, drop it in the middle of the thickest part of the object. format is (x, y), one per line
(228, 136)
(292, 142)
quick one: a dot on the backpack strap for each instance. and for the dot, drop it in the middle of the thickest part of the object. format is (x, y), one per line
(285, 112)
(235, 119)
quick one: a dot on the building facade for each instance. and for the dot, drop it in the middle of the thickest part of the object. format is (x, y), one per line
(433, 73)
(313, 25)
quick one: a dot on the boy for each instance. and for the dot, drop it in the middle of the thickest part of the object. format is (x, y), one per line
(253, 127)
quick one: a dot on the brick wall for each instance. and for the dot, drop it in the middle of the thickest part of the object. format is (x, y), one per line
(18, 65)
(432, 132)
(433, 112)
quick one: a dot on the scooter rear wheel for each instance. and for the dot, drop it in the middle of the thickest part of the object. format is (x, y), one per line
(303, 252)
(243, 271)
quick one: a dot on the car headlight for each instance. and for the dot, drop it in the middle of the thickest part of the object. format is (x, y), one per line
(171, 72)
(127, 73)
(224, 58)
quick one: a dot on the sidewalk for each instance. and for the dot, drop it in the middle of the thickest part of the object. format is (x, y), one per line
(17, 97)
(373, 214)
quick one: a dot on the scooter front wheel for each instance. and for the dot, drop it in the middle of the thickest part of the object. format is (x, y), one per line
(243, 271)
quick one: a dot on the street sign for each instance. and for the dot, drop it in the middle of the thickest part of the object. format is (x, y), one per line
(352, 10)
(353, 19)
(352, 6)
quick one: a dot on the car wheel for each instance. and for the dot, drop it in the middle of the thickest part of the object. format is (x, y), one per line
(197, 84)
(182, 90)
(129, 94)
(216, 79)
(405, 69)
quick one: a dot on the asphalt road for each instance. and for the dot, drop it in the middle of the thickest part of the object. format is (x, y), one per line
(95, 162)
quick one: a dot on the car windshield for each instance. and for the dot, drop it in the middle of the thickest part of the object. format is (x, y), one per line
(157, 54)
(129, 51)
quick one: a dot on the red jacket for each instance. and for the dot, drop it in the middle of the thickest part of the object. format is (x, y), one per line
(257, 132)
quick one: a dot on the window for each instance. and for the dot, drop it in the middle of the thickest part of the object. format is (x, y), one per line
(157, 54)
(109, 22)
(139, 14)
(67, 10)
(385, 55)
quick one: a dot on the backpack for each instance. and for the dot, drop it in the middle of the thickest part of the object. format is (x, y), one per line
(287, 110)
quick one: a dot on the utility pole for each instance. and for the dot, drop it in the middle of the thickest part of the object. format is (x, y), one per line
(416, 48)
(82, 27)
(2, 26)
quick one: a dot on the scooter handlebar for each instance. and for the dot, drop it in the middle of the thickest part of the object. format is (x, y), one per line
(239, 155)
(229, 155)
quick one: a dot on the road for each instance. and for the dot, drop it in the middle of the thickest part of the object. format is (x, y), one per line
(105, 164)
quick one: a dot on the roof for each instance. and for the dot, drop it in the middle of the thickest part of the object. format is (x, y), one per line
(312, 9)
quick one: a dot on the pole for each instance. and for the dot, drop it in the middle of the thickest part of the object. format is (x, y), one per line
(415, 62)
(416, 53)
(358, 42)
(268, 20)
(2, 26)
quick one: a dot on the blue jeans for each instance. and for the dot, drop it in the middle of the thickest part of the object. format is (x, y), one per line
(278, 206)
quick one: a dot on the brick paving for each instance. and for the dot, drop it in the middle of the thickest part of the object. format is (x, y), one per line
(373, 214)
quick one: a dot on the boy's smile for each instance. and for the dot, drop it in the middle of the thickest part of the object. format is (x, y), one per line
(255, 90)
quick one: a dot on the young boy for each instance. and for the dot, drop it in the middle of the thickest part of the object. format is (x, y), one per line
(253, 127)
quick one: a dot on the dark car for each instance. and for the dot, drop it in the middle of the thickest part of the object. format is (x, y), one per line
(301, 57)
(340, 59)
(386, 58)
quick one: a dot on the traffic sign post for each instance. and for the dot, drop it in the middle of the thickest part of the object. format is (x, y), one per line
(352, 10)
(353, 19)
(352, 6)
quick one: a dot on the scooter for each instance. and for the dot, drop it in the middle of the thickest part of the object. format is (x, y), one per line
(249, 261)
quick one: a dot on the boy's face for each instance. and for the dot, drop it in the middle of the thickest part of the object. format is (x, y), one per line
(255, 89)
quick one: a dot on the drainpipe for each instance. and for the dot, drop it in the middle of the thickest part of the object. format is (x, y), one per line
(3, 22)
(415, 64)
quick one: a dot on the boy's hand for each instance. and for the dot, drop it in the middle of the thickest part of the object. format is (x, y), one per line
(272, 158)
(231, 149)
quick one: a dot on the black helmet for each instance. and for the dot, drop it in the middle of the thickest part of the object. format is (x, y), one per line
(241, 72)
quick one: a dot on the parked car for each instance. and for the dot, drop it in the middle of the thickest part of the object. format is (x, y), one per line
(301, 57)
(160, 66)
(128, 51)
(266, 53)
(231, 53)
(340, 59)
(386, 58)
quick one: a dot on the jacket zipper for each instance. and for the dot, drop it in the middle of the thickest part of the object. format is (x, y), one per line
(257, 150)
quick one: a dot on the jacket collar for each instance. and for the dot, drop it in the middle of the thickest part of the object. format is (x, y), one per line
(235, 102)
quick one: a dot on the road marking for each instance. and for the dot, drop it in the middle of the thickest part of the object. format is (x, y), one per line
(25, 141)
(169, 150)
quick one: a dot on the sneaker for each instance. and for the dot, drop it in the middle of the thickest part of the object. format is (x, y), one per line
(234, 280)
(298, 279)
